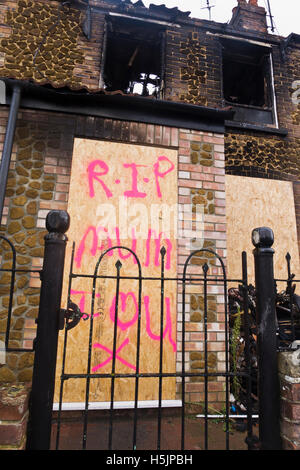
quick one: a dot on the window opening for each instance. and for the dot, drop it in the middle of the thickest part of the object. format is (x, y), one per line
(246, 75)
(247, 81)
(133, 57)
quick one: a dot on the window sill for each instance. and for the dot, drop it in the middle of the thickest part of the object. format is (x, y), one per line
(259, 128)
(253, 114)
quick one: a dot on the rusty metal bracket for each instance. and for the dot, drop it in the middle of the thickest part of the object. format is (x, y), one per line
(70, 317)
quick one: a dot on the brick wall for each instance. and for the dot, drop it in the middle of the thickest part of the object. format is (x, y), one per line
(201, 181)
(250, 17)
(44, 41)
(14, 416)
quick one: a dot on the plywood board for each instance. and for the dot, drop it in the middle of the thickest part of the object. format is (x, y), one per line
(258, 202)
(114, 187)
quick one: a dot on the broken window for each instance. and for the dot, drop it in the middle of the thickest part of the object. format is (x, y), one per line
(134, 53)
(247, 81)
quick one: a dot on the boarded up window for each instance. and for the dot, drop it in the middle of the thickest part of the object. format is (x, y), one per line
(114, 187)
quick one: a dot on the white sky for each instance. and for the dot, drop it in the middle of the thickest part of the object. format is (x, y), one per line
(286, 13)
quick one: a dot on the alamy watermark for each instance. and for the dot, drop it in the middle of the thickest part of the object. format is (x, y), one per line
(174, 221)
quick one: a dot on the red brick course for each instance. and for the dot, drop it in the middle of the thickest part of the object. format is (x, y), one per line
(13, 416)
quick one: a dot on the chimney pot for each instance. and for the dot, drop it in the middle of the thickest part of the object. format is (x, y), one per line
(251, 2)
(249, 16)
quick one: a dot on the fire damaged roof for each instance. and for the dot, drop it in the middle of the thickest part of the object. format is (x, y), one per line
(152, 9)
(50, 49)
(162, 10)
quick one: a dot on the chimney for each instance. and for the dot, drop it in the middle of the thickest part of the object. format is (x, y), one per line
(248, 16)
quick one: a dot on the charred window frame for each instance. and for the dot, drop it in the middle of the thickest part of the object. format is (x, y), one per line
(248, 85)
(133, 57)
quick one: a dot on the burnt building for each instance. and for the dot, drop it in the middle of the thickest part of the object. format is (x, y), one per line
(174, 110)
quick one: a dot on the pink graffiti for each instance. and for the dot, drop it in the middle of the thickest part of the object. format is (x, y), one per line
(158, 245)
(94, 244)
(133, 245)
(97, 169)
(110, 358)
(168, 327)
(158, 174)
(94, 175)
(90, 243)
(82, 301)
(126, 325)
(124, 297)
(134, 192)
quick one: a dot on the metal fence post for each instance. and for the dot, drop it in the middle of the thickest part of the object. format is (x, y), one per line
(268, 380)
(41, 402)
(8, 142)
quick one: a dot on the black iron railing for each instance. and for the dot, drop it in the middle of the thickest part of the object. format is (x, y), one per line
(204, 279)
(254, 306)
(13, 271)
(287, 309)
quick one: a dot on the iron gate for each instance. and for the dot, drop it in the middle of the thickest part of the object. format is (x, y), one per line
(230, 376)
(51, 318)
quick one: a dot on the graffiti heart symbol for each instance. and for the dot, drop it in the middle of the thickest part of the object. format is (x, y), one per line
(124, 298)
